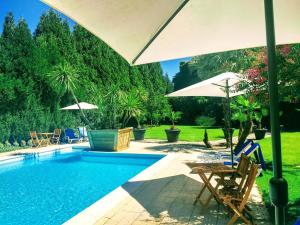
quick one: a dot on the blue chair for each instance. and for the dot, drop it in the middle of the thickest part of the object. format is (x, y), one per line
(82, 132)
(71, 137)
(248, 148)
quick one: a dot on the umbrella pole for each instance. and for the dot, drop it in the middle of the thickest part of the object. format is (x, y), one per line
(278, 185)
(229, 122)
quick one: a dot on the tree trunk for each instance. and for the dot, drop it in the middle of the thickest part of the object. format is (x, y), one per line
(86, 121)
(244, 134)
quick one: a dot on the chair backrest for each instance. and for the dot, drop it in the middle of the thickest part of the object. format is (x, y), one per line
(243, 147)
(250, 150)
(246, 190)
(70, 133)
(242, 169)
(82, 131)
(57, 132)
(33, 135)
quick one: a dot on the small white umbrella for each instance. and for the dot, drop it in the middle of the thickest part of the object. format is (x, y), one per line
(224, 85)
(82, 105)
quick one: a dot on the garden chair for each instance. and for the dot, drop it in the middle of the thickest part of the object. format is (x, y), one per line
(55, 139)
(82, 133)
(71, 137)
(236, 178)
(248, 148)
(36, 141)
(237, 202)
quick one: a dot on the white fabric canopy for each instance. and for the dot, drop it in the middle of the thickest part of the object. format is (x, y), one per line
(213, 87)
(83, 105)
(151, 31)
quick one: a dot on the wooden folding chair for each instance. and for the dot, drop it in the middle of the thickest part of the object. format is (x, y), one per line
(230, 184)
(55, 139)
(214, 192)
(236, 177)
(36, 141)
(238, 202)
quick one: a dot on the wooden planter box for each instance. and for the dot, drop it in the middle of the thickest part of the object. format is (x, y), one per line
(109, 140)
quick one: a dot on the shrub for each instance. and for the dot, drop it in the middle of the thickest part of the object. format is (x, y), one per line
(16, 144)
(205, 121)
(1, 145)
(7, 143)
(22, 143)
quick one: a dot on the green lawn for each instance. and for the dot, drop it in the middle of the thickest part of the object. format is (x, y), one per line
(291, 171)
(188, 133)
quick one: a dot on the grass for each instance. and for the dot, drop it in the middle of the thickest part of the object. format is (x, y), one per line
(291, 172)
(188, 133)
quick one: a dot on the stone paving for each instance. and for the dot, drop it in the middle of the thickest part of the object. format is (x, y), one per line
(167, 197)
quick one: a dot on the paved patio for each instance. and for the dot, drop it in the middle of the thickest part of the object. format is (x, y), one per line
(167, 197)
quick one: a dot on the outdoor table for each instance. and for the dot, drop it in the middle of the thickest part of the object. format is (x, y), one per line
(47, 136)
(212, 169)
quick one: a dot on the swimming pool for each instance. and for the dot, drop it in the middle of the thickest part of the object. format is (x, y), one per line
(52, 188)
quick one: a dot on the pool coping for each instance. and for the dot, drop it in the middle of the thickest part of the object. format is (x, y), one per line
(97, 210)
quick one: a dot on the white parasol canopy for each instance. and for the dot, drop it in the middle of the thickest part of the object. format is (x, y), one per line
(83, 105)
(151, 31)
(214, 87)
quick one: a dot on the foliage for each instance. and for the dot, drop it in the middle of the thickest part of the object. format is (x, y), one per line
(205, 121)
(55, 67)
(174, 117)
(246, 111)
(291, 172)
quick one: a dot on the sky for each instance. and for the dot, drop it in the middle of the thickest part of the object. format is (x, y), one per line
(31, 10)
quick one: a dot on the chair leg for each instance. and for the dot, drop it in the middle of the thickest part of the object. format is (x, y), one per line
(233, 219)
(201, 191)
(211, 196)
(199, 195)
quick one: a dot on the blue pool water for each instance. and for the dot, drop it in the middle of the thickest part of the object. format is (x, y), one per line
(52, 189)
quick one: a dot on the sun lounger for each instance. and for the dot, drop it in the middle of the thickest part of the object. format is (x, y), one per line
(247, 148)
(71, 137)
(82, 133)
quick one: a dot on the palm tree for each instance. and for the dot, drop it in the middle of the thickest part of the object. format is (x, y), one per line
(66, 76)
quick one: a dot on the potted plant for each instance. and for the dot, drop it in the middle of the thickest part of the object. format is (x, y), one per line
(260, 132)
(139, 131)
(173, 132)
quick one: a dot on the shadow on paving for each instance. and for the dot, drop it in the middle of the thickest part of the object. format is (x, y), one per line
(170, 200)
(183, 148)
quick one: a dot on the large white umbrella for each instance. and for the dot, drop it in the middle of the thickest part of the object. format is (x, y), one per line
(149, 31)
(213, 87)
(224, 85)
(82, 105)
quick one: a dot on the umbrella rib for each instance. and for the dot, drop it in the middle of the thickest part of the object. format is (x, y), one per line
(160, 30)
